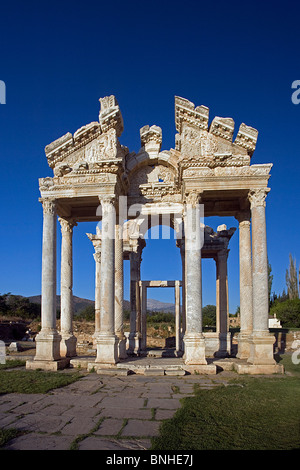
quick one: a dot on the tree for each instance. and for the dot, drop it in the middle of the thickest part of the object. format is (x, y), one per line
(209, 315)
(291, 279)
(288, 312)
(18, 306)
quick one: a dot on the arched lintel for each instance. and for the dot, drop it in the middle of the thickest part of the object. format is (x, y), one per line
(137, 161)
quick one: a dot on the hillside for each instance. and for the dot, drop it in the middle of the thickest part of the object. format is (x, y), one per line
(80, 304)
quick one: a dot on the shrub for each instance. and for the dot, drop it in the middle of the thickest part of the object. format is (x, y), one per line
(18, 306)
(88, 314)
(161, 317)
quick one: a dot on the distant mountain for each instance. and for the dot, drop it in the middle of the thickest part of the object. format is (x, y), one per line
(158, 306)
(81, 304)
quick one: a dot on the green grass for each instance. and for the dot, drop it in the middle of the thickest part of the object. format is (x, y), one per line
(8, 434)
(12, 363)
(29, 381)
(250, 414)
(34, 381)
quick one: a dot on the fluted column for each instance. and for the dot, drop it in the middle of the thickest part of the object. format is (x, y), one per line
(194, 343)
(177, 317)
(107, 342)
(181, 244)
(97, 258)
(143, 296)
(48, 340)
(245, 262)
(134, 338)
(68, 340)
(119, 293)
(222, 302)
(261, 343)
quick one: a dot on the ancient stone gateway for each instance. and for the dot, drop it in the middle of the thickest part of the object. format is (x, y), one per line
(206, 174)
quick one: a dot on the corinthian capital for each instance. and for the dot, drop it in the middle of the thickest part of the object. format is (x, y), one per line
(193, 197)
(257, 197)
(66, 224)
(107, 200)
(49, 206)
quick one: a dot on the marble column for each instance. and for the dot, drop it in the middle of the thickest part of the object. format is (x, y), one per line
(68, 340)
(177, 318)
(181, 244)
(134, 335)
(97, 258)
(96, 239)
(48, 340)
(222, 302)
(194, 343)
(119, 293)
(143, 293)
(107, 341)
(261, 342)
(245, 262)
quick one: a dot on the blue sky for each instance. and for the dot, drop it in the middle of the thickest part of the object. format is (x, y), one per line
(59, 58)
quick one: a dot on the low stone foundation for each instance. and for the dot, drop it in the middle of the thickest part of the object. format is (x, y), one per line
(174, 366)
(48, 365)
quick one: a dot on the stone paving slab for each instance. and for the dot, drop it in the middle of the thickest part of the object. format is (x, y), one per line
(164, 403)
(122, 402)
(79, 425)
(95, 443)
(138, 428)
(34, 441)
(98, 412)
(110, 427)
(122, 413)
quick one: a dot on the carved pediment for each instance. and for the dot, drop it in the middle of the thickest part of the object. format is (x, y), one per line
(210, 146)
(93, 155)
(153, 181)
(92, 148)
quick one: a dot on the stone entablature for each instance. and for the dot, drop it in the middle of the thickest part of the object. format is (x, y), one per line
(92, 161)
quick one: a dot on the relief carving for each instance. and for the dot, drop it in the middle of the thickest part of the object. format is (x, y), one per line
(257, 197)
(152, 179)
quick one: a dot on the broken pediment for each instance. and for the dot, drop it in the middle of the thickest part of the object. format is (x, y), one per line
(92, 146)
(211, 146)
(95, 147)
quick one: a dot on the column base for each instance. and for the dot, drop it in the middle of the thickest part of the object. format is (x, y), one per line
(243, 345)
(194, 349)
(48, 365)
(107, 350)
(217, 344)
(121, 346)
(47, 346)
(68, 345)
(134, 344)
(261, 348)
(95, 335)
(259, 369)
